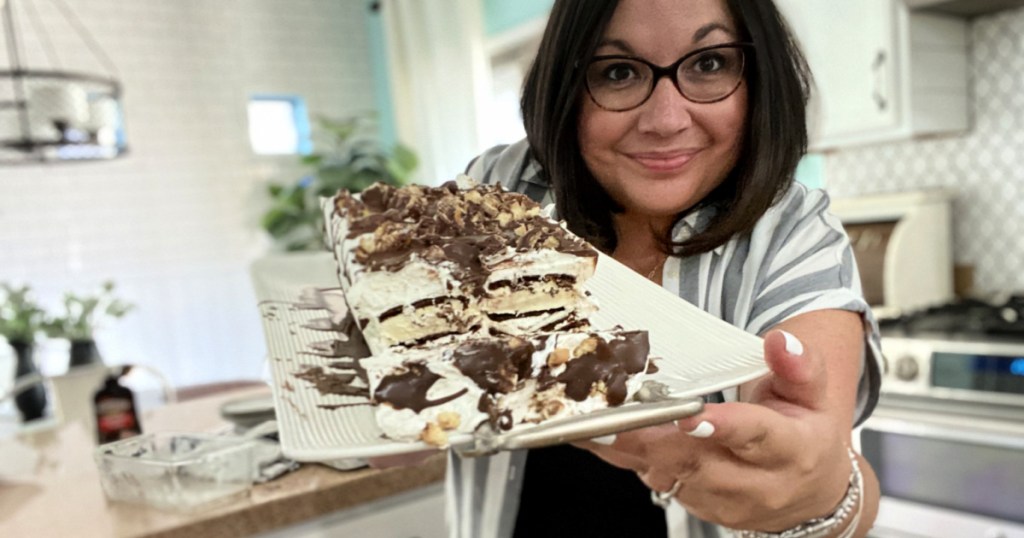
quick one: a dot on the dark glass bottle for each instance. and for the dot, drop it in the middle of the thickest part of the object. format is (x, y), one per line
(116, 417)
(31, 401)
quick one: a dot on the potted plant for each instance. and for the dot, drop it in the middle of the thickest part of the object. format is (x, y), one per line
(353, 159)
(82, 315)
(21, 319)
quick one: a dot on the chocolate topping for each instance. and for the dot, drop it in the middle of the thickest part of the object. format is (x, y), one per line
(496, 365)
(611, 363)
(466, 225)
(408, 390)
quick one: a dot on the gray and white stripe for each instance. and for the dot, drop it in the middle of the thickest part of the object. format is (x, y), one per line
(796, 260)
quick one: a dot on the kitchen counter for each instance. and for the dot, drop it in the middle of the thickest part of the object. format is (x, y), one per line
(62, 495)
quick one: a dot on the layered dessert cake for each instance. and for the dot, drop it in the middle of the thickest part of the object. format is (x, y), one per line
(472, 304)
(419, 265)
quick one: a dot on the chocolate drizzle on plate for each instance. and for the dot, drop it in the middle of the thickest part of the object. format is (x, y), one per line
(332, 383)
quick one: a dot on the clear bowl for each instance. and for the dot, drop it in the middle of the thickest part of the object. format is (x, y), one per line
(176, 471)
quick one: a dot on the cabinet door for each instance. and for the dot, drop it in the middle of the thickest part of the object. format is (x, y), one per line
(851, 46)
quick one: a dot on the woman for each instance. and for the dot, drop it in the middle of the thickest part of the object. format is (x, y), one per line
(667, 133)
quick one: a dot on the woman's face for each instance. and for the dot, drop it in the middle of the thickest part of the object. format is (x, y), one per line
(667, 154)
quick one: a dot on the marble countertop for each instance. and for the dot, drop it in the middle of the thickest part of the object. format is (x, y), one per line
(60, 494)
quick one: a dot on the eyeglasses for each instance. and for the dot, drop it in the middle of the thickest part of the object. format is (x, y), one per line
(706, 75)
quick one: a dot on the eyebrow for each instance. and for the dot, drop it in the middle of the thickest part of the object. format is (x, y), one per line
(707, 29)
(699, 35)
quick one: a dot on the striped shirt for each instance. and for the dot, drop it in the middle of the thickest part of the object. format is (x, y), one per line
(797, 259)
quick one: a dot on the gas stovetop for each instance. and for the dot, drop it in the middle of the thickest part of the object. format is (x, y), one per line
(966, 319)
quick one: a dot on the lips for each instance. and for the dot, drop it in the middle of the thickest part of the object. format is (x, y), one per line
(664, 161)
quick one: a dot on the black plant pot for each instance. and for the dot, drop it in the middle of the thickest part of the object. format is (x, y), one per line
(31, 401)
(84, 352)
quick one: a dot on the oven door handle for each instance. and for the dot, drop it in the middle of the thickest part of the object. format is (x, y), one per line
(949, 429)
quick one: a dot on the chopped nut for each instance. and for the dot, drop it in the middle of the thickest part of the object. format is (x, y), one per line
(433, 435)
(473, 196)
(504, 219)
(550, 242)
(516, 342)
(518, 211)
(558, 357)
(587, 346)
(552, 408)
(367, 244)
(521, 230)
(491, 204)
(598, 388)
(449, 420)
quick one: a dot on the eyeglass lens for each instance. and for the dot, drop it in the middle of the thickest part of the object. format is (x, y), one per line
(622, 83)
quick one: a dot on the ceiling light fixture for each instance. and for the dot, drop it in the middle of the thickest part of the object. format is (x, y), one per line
(50, 113)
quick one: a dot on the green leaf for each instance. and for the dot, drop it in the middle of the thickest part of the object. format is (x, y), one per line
(352, 159)
(313, 159)
(405, 157)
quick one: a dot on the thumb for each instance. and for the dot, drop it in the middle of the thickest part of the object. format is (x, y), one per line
(798, 374)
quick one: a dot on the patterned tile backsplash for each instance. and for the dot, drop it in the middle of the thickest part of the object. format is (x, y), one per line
(984, 166)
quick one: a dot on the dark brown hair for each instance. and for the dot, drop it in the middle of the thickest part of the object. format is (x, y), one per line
(778, 83)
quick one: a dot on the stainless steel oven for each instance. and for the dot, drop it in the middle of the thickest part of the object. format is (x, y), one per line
(947, 439)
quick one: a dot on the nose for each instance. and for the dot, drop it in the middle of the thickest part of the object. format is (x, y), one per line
(666, 112)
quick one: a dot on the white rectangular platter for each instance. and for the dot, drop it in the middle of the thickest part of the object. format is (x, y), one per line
(699, 354)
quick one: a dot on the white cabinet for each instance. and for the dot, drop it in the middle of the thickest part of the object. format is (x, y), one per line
(881, 72)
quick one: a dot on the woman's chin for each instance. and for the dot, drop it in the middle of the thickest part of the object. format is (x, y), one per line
(659, 207)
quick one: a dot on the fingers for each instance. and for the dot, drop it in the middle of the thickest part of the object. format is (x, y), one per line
(753, 433)
(636, 449)
(799, 375)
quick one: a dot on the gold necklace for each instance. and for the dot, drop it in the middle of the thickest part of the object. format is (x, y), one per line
(650, 276)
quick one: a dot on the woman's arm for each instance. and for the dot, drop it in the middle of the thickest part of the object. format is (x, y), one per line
(778, 457)
(840, 335)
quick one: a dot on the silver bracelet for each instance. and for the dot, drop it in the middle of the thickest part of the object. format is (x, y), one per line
(820, 527)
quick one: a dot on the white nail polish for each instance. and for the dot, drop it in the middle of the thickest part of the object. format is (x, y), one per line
(604, 440)
(703, 430)
(793, 344)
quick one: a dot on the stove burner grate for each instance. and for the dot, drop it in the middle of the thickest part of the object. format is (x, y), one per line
(965, 317)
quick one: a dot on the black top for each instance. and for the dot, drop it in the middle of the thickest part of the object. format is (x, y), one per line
(568, 492)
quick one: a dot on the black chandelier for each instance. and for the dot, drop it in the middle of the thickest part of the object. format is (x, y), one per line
(51, 114)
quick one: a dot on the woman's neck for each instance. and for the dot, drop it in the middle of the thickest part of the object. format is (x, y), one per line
(638, 240)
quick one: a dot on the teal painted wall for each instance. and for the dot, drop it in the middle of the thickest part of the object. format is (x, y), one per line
(502, 15)
(381, 79)
(811, 171)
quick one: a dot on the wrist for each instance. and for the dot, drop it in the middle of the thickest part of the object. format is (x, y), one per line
(842, 522)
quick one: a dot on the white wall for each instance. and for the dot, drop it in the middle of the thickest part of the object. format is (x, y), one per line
(175, 222)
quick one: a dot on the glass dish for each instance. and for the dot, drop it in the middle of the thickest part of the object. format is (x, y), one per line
(176, 471)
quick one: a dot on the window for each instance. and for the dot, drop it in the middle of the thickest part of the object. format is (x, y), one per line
(279, 125)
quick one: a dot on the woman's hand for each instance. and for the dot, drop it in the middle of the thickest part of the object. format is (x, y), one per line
(775, 459)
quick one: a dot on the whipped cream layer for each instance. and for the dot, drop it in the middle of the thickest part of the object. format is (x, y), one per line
(503, 382)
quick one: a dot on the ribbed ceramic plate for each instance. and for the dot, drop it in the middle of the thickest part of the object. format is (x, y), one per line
(699, 354)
